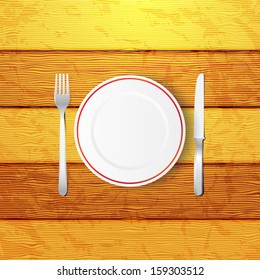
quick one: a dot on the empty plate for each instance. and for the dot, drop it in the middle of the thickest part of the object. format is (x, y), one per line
(129, 131)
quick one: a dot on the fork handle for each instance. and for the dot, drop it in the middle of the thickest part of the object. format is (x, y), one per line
(63, 187)
(198, 168)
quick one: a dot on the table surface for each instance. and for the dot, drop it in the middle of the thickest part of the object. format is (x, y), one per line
(170, 42)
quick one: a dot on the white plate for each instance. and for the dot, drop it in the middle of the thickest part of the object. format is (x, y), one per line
(129, 131)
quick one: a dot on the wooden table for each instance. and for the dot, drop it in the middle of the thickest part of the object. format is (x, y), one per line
(170, 42)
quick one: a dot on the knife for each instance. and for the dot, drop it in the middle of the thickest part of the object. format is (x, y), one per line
(199, 136)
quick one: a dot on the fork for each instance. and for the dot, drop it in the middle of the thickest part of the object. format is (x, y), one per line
(62, 100)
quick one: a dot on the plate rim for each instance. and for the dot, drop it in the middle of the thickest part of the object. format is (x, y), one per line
(172, 162)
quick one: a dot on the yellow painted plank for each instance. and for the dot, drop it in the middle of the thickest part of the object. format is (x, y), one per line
(32, 135)
(232, 79)
(130, 239)
(123, 24)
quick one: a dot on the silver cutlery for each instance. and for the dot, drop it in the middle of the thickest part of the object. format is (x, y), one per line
(62, 100)
(199, 136)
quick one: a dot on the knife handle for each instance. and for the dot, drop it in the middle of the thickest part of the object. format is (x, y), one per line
(198, 168)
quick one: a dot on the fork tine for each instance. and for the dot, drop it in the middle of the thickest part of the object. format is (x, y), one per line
(59, 84)
(63, 83)
(67, 84)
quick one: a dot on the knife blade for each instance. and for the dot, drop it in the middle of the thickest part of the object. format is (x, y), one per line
(199, 135)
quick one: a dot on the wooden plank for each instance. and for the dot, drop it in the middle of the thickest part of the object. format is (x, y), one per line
(106, 25)
(232, 79)
(29, 191)
(32, 135)
(130, 240)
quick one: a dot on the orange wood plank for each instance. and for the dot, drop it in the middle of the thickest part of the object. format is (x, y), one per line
(232, 78)
(29, 191)
(32, 135)
(130, 240)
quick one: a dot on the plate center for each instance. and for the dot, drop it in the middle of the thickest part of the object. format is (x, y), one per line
(129, 130)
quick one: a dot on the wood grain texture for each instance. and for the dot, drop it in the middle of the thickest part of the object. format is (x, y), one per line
(106, 25)
(129, 240)
(32, 135)
(232, 79)
(29, 191)
(29, 137)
